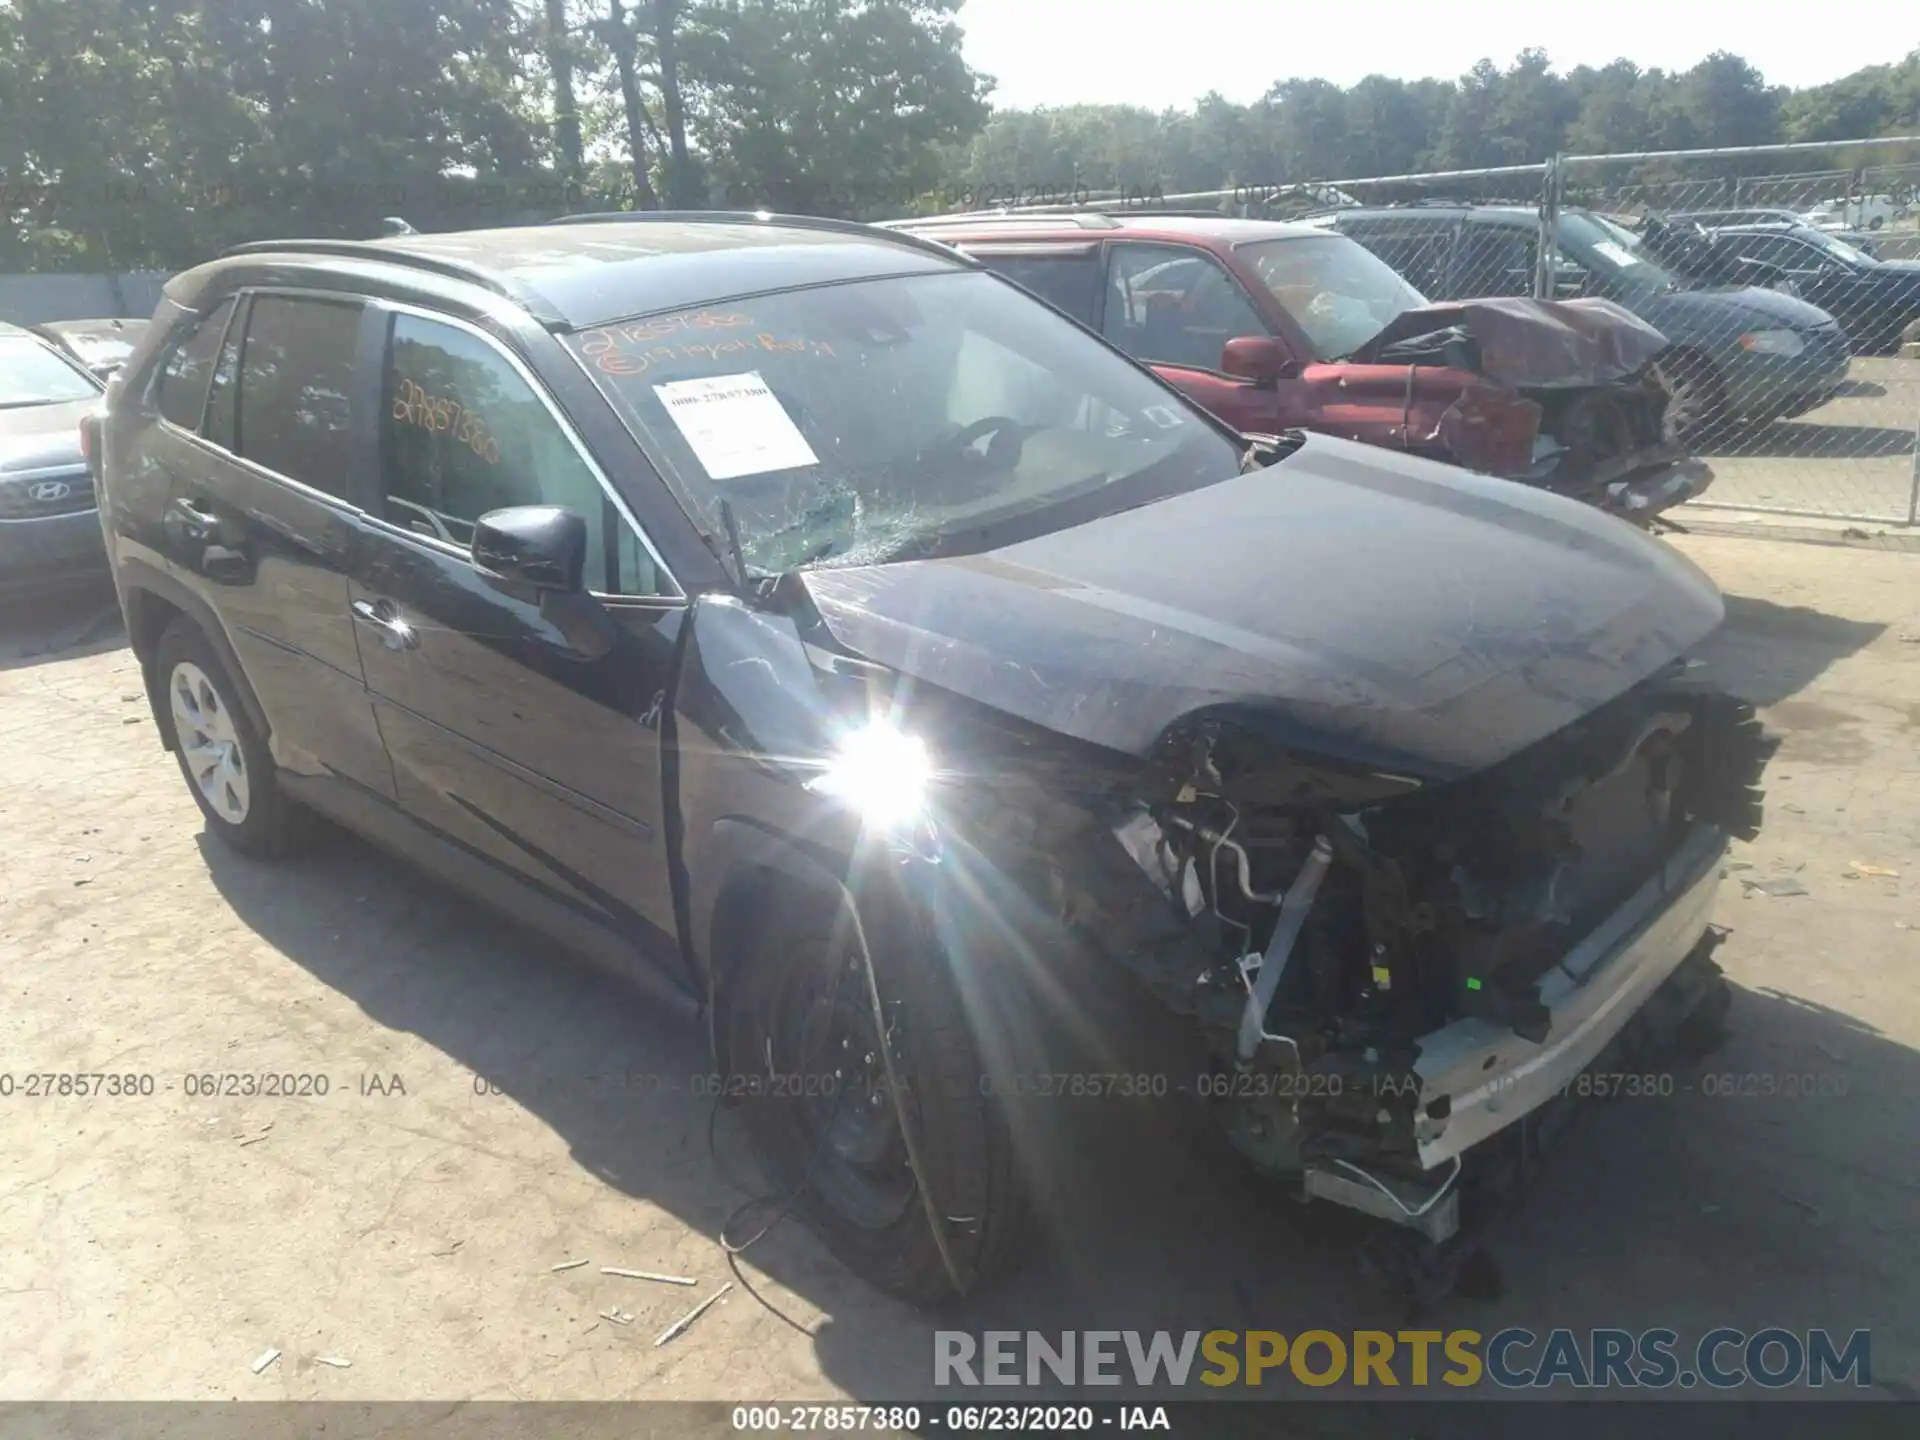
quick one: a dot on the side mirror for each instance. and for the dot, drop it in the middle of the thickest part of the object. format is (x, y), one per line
(542, 548)
(1259, 358)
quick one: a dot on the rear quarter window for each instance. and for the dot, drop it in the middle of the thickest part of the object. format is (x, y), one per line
(181, 388)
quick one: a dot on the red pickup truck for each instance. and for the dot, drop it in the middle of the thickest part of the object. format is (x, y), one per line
(1274, 326)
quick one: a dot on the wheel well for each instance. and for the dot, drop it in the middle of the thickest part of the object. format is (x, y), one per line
(148, 616)
(754, 899)
(150, 609)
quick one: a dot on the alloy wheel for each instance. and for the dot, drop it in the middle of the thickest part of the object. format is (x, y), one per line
(1689, 404)
(203, 726)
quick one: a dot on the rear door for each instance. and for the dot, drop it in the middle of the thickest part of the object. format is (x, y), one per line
(1175, 307)
(264, 518)
(527, 738)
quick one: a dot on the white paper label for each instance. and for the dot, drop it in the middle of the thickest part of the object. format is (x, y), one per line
(1618, 254)
(735, 425)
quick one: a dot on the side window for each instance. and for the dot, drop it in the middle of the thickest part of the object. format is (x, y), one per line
(462, 433)
(1066, 282)
(295, 412)
(1785, 251)
(1416, 248)
(1494, 260)
(1171, 306)
(182, 388)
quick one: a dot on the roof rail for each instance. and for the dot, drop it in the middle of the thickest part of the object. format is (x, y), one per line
(390, 254)
(765, 217)
(969, 219)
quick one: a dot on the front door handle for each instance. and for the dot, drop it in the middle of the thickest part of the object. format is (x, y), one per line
(383, 617)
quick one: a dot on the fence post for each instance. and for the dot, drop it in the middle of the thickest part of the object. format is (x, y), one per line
(1913, 488)
(1546, 275)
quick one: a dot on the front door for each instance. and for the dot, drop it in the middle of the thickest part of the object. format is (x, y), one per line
(526, 735)
(1175, 307)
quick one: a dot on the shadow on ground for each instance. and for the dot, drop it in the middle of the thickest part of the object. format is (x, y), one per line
(81, 619)
(1150, 1225)
(1859, 390)
(1766, 652)
(1803, 439)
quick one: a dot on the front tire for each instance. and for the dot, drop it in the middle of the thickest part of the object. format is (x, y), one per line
(1696, 414)
(806, 1055)
(223, 757)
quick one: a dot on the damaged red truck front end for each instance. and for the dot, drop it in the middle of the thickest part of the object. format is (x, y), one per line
(1559, 394)
(1276, 327)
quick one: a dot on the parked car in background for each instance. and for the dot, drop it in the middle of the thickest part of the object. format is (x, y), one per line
(100, 345)
(49, 528)
(814, 627)
(1716, 219)
(1857, 212)
(1741, 356)
(1875, 300)
(1272, 326)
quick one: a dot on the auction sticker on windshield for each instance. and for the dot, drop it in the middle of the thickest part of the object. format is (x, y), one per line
(735, 425)
(1618, 254)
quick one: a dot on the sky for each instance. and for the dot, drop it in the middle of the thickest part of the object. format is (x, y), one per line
(1160, 53)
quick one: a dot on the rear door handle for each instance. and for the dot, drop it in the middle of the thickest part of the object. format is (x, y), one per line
(194, 522)
(383, 617)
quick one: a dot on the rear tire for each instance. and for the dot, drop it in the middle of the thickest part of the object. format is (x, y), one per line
(805, 1054)
(223, 757)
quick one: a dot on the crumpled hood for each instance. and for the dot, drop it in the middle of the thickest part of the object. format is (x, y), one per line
(34, 437)
(1369, 606)
(1534, 343)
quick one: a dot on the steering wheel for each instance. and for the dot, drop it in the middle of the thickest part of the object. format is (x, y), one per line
(1003, 450)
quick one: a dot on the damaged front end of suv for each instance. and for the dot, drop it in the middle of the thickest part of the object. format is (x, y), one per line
(1404, 879)
(1388, 973)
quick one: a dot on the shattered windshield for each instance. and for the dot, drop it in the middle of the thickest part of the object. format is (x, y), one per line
(1335, 288)
(855, 423)
(31, 374)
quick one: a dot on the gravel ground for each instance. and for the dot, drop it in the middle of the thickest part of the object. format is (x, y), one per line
(410, 1219)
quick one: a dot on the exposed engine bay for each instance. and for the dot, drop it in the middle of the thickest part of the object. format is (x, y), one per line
(1362, 951)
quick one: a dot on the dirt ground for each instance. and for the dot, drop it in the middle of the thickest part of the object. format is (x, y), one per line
(1851, 457)
(410, 1220)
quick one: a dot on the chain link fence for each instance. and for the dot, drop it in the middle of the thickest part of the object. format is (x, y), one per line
(1789, 290)
(1787, 279)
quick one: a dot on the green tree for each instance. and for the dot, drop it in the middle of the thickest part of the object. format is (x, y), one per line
(829, 106)
(153, 132)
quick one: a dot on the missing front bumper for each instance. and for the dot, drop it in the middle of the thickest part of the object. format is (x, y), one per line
(1623, 994)
(1484, 1078)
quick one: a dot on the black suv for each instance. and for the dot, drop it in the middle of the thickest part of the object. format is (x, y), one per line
(1742, 355)
(813, 626)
